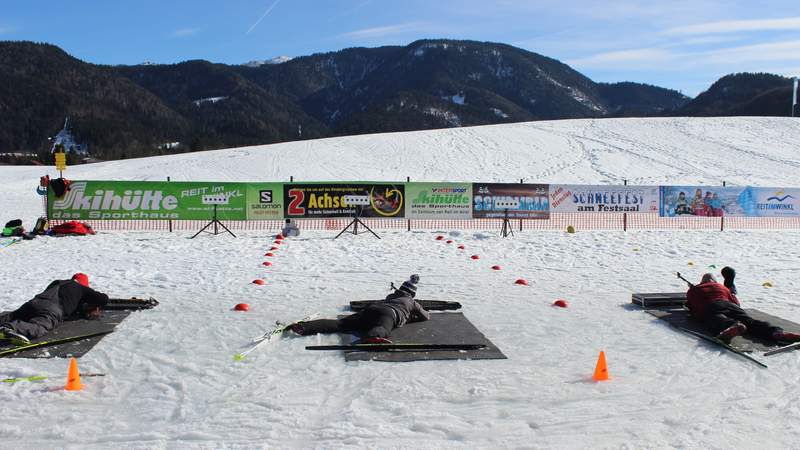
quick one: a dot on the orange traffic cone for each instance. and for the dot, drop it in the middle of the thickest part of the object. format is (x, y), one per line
(601, 371)
(73, 376)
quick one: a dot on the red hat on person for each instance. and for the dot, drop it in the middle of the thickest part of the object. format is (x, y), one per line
(81, 278)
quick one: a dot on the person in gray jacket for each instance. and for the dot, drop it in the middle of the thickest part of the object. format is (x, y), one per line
(377, 320)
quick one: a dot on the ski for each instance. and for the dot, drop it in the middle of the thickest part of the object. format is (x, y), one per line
(398, 347)
(722, 344)
(785, 348)
(280, 327)
(20, 348)
(9, 243)
(44, 377)
(429, 305)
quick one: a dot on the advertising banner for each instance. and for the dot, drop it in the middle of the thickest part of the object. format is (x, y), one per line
(597, 198)
(320, 200)
(704, 201)
(146, 200)
(264, 201)
(519, 201)
(770, 202)
(439, 200)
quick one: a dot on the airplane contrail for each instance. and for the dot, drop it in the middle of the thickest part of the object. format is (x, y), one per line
(262, 16)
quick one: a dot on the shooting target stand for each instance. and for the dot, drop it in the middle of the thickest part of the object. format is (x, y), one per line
(359, 201)
(505, 228)
(214, 200)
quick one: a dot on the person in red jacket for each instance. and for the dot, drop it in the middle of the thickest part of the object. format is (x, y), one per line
(718, 308)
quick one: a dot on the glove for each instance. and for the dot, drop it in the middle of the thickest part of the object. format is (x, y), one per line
(92, 313)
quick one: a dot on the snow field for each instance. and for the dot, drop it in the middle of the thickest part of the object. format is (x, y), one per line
(172, 380)
(172, 383)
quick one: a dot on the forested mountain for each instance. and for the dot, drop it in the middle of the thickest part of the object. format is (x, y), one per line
(126, 111)
(744, 94)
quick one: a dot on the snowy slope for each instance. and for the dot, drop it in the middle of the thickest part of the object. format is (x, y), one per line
(172, 383)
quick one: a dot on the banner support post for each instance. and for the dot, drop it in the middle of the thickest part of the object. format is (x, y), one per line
(170, 220)
(521, 181)
(408, 221)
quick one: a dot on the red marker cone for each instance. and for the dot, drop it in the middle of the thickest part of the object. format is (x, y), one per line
(241, 307)
(258, 281)
(266, 263)
(439, 238)
(495, 267)
(475, 257)
(561, 303)
(521, 281)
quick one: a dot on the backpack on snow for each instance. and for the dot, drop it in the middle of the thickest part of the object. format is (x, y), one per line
(41, 226)
(72, 228)
(13, 228)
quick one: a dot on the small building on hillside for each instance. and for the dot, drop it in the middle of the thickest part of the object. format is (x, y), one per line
(66, 139)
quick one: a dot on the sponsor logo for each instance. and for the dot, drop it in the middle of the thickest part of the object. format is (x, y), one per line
(130, 200)
(780, 198)
(107, 204)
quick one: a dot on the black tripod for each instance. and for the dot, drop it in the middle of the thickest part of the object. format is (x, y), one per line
(354, 225)
(505, 230)
(216, 224)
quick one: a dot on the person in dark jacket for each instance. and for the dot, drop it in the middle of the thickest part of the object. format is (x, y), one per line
(377, 320)
(718, 308)
(60, 300)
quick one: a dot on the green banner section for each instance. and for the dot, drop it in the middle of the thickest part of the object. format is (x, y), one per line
(147, 200)
(264, 201)
(439, 200)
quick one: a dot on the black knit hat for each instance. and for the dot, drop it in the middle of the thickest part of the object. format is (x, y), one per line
(410, 286)
(729, 274)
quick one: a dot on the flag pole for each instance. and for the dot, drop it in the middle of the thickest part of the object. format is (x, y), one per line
(794, 96)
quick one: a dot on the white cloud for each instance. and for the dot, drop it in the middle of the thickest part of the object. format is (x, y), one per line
(773, 51)
(734, 26)
(785, 71)
(388, 30)
(704, 40)
(633, 58)
(185, 32)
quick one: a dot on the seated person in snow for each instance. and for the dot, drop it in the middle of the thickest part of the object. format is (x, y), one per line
(718, 308)
(290, 229)
(376, 321)
(43, 313)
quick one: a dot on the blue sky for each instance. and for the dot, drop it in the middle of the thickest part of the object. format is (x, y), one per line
(683, 45)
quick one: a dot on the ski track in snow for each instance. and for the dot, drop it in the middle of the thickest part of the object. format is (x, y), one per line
(172, 383)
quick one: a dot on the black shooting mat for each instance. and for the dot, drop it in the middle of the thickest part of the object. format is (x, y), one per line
(442, 328)
(680, 317)
(107, 322)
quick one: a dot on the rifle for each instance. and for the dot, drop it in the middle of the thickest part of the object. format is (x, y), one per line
(684, 279)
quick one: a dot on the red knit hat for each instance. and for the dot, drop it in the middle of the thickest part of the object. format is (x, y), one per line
(81, 278)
